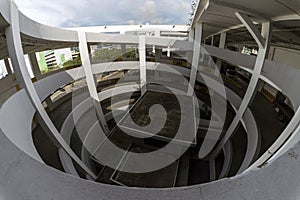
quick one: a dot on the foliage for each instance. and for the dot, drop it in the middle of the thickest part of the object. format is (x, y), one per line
(112, 54)
(107, 54)
(130, 53)
(73, 63)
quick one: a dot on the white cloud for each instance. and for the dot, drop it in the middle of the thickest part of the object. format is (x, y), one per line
(70, 13)
(148, 10)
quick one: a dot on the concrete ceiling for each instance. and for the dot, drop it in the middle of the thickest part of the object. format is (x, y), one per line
(219, 16)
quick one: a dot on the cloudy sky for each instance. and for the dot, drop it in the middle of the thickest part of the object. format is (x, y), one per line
(74, 13)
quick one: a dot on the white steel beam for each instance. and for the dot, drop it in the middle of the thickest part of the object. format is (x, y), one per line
(34, 65)
(189, 54)
(16, 54)
(7, 66)
(252, 29)
(143, 70)
(196, 57)
(86, 64)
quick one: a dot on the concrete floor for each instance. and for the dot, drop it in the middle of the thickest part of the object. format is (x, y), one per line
(267, 121)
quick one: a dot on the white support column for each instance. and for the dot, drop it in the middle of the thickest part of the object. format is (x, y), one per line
(189, 56)
(222, 40)
(169, 52)
(196, 57)
(143, 70)
(86, 64)
(157, 33)
(221, 46)
(7, 66)
(158, 53)
(212, 41)
(16, 54)
(260, 60)
(34, 65)
(123, 51)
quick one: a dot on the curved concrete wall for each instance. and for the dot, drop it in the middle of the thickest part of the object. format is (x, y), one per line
(23, 176)
(16, 116)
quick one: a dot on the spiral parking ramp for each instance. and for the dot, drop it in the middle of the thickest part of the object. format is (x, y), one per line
(62, 133)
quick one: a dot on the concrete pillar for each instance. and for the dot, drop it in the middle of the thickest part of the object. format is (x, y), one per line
(169, 52)
(136, 53)
(158, 53)
(196, 57)
(189, 56)
(7, 65)
(34, 66)
(86, 64)
(221, 46)
(123, 51)
(258, 88)
(143, 70)
(241, 48)
(157, 33)
(90, 53)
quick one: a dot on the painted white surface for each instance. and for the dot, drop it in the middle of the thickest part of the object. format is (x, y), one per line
(3, 71)
(28, 65)
(287, 56)
(66, 52)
